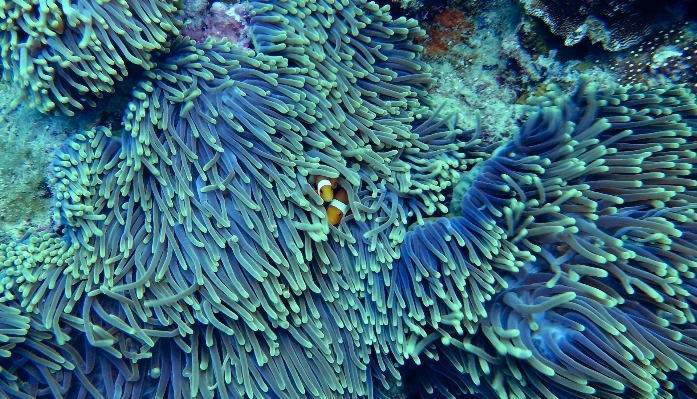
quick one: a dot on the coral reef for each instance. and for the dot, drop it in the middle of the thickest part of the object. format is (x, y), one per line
(448, 29)
(195, 257)
(26, 148)
(617, 24)
(668, 58)
(464, 47)
(25, 198)
(221, 20)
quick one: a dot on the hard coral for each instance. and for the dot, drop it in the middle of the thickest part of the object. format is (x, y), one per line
(448, 29)
(617, 24)
(668, 58)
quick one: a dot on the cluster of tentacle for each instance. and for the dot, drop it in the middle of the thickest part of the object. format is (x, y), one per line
(201, 233)
(64, 54)
(602, 190)
(200, 254)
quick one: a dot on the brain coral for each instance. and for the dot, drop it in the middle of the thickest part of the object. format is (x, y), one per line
(62, 54)
(195, 258)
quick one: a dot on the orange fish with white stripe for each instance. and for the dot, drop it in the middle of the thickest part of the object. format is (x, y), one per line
(325, 187)
(338, 207)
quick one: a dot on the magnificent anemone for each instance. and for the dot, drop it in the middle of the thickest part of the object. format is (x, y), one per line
(603, 307)
(195, 257)
(63, 54)
(200, 225)
(32, 363)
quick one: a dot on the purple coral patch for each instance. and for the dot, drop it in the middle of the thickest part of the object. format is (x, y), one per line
(222, 21)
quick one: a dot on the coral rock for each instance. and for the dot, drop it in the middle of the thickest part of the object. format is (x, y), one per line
(616, 24)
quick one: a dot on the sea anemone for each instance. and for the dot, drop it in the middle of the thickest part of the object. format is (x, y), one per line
(602, 309)
(199, 226)
(195, 256)
(64, 54)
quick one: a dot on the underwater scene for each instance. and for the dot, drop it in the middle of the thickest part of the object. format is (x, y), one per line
(379, 199)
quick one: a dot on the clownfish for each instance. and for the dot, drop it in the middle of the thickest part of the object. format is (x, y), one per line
(325, 187)
(338, 207)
